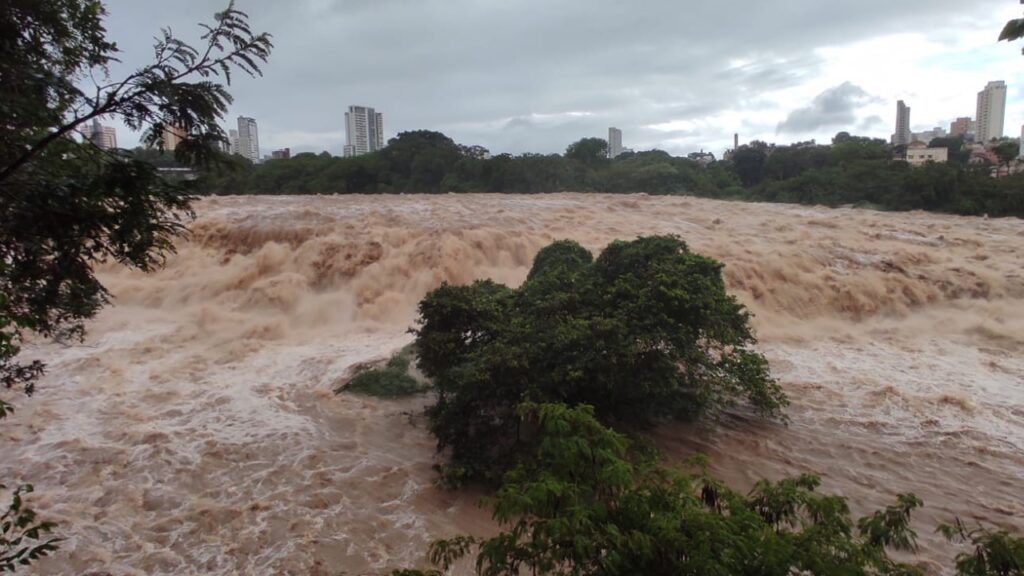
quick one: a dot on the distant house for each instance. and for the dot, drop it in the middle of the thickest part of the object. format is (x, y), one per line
(982, 155)
(702, 157)
(918, 154)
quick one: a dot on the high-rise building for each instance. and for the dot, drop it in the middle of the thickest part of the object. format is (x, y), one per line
(960, 127)
(248, 139)
(364, 131)
(614, 142)
(991, 111)
(1021, 146)
(172, 136)
(233, 147)
(104, 137)
(902, 135)
(282, 154)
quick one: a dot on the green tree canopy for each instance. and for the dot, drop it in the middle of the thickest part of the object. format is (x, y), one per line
(645, 332)
(67, 205)
(587, 504)
(590, 502)
(589, 151)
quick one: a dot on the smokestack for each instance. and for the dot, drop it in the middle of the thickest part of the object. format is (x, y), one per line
(736, 141)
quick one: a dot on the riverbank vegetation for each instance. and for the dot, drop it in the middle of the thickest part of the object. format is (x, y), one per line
(590, 503)
(391, 379)
(849, 170)
(67, 205)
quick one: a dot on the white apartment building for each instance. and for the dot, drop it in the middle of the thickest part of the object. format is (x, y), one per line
(248, 139)
(233, 146)
(918, 154)
(104, 137)
(364, 131)
(614, 142)
(991, 111)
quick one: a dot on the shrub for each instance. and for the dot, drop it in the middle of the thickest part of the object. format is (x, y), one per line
(643, 333)
(588, 504)
(392, 380)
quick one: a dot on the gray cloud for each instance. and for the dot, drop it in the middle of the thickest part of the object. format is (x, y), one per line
(836, 106)
(870, 123)
(500, 74)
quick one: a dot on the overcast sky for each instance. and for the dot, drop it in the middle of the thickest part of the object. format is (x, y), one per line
(536, 75)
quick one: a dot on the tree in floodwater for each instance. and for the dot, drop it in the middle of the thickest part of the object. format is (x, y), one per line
(643, 333)
(67, 204)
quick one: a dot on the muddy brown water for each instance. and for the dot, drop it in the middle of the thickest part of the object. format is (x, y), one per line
(195, 432)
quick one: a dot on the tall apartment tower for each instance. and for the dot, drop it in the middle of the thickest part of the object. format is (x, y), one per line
(902, 135)
(248, 139)
(233, 145)
(364, 131)
(614, 142)
(991, 111)
(104, 137)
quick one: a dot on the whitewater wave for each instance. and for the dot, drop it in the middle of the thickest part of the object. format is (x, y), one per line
(195, 432)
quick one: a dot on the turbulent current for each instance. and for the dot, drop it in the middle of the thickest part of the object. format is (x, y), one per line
(195, 430)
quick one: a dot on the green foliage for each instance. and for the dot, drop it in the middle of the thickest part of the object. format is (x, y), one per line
(643, 333)
(589, 504)
(23, 538)
(1013, 30)
(67, 205)
(588, 151)
(1007, 151)
(995, 552)
(392, 380)
(852, 170)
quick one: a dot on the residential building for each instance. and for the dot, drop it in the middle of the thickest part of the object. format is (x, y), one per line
(282, 154)
(960, 127)
(902, 136)
(248, 139)
(104, 137)
(928, 135)
(991, 111)
(918, 153)
(703, 158)
(364, 131)
(1021, 155)
(172, 136)
(233, 147)
(614, 142)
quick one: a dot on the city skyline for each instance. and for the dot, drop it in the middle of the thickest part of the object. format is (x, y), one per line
(677, 92)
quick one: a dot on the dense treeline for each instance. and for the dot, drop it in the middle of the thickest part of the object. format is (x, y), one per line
(851, 170)
(854, 170)
(430, 162)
